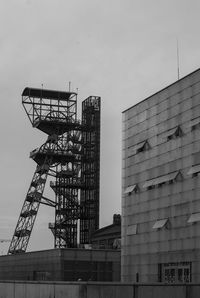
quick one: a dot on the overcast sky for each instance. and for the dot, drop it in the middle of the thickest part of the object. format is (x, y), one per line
(121, 50)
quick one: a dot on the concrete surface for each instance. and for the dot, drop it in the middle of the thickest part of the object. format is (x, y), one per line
(24, 289)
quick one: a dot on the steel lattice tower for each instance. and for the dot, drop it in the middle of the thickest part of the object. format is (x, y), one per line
(71, 150)
(90, 168)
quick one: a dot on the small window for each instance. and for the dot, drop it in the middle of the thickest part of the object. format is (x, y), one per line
(160, 181)
(144, 146)
(194, 171)
(131, 230)
(151, 187)
(195, 124)
(195, 174)
(161, 223)
(195, 217)
(177, 132)
(194, 127)
(130, 189)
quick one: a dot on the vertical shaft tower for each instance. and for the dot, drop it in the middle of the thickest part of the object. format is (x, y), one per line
(54, 113)
(70, 155)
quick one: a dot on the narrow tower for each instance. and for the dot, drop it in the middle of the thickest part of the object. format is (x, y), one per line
(90, 168)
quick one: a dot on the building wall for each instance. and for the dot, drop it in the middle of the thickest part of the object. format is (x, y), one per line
(14, 289)
(63, 265)
(146, 251)
(91, 264)
(39, 265)
(107, 237)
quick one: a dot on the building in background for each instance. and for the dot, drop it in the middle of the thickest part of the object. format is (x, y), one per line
(108, 237)
(161, 185)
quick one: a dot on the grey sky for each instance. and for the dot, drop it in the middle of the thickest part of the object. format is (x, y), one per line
(121, 50)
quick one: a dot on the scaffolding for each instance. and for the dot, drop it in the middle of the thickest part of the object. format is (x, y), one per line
(65, 156)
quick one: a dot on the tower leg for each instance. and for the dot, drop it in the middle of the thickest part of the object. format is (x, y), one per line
(29, 210)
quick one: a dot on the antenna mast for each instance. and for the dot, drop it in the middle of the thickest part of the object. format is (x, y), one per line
(177, 52)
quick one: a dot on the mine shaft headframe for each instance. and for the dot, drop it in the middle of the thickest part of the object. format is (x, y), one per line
(49, 106)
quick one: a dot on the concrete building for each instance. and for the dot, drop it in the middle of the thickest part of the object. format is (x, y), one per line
(161, 185)
(62, 265)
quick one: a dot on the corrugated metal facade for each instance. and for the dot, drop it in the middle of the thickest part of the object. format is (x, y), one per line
(161, 154)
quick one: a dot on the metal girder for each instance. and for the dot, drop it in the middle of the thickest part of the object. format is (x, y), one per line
(29, 210)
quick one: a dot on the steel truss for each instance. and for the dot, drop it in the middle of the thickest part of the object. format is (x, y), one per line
(67, 158)
(90, 168)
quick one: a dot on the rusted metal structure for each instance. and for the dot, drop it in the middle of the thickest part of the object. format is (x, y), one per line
(71, 148)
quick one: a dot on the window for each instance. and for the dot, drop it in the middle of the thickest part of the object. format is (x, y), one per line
(175, 133)
(195, 174)
(151, 187)
(195, 124)
(160, 223)
(130, 189)
(143, 147)
(160, 181)
(194, 170)
(131, 230)
(179, 272)
(194, 217)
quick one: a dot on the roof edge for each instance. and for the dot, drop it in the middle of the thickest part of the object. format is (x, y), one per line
(46, 93)
(198, 69)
